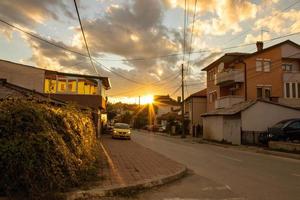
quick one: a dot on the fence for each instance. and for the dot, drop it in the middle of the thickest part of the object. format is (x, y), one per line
(251, 137)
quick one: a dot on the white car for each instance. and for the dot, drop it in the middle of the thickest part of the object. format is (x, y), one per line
(121, 130)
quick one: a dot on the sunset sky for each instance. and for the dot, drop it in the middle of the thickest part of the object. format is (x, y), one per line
(134, 39)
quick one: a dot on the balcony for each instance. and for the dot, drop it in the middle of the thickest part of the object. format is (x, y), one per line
(228, 101)
(293, 76)
(229, 77)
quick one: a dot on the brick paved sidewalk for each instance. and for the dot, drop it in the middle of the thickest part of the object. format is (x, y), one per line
(128, 163)
(126, 167)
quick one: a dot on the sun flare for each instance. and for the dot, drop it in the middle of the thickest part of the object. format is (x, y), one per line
(147, 99)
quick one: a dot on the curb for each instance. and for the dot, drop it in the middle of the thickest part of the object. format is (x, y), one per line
(261, 151)
(123, 190)
(280, 154)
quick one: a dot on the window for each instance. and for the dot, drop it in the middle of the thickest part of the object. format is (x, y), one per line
(267, 92)
(287, 90)
(267, 65)
(259, 92)
(263, 65)
(298, 90)
(294, 90)
(263, 92)
(259, 65)
(287, 67)
(212, 96)
(295, 125)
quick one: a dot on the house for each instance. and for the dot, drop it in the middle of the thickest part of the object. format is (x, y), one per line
(85, 90)
(194, 106)
(243, 122)
(235, 79)
(164, 106)
(272, 73)
(9, 91)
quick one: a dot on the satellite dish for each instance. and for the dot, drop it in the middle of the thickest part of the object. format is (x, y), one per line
(221, 67)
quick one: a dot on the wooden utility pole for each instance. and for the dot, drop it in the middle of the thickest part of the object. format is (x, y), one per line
(182, 101)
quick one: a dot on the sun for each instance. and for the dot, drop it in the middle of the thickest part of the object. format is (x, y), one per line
(147, 99)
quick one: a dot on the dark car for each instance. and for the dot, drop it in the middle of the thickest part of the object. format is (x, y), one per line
(286, 130)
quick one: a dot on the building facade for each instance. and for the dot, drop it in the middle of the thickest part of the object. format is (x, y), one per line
(84, 90)
(194, 106)
(247, 93)
(271, 74)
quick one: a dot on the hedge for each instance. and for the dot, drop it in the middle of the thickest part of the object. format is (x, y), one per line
(44, 148)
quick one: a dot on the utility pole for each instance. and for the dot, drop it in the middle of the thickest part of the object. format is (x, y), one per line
(182, 101)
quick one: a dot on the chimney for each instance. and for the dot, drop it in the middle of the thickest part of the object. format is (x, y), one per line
(178, 99)
(259, 45)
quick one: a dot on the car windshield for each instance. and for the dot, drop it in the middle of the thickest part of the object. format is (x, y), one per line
(121, 125)
(280, 124)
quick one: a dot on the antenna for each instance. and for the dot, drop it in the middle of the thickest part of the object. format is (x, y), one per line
(262, 34)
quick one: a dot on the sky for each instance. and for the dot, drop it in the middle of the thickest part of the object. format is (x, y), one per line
(139, 44)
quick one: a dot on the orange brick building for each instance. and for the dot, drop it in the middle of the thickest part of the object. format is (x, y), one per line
(271, 74)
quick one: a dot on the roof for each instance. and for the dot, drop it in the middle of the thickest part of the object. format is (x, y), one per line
(8, 90)
(274, 46)
(231, 57)
(165, 100)
(226, 58)
(105, 80)
(239, 107)
(201, 93)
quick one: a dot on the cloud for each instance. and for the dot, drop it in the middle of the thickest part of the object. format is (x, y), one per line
(32, 11)
(129, 30)
(280, 22)
(250, 38)
(225, 14)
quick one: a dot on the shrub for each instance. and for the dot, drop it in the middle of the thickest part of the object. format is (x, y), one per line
(44, 148)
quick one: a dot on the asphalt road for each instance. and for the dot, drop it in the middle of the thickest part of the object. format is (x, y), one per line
(223, 173)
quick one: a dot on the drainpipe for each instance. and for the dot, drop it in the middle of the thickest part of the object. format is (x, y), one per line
(245, 78)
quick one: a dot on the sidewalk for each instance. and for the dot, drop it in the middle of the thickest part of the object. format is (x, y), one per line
(127, 167)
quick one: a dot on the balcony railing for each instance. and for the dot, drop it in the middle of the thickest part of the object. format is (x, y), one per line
(229, 76)
(292, 76)
(228, 101)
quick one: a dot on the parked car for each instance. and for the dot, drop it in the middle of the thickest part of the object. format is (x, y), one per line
(286, 130)
(162, 128)
(121, 130)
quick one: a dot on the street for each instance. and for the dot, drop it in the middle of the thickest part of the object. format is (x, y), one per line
(245, 175)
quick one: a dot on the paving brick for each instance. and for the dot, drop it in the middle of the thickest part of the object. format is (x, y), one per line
(126, 162)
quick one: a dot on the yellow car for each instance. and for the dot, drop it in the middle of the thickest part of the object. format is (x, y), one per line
(121, 130)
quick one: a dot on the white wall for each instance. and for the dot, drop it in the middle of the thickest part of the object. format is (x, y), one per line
(262, 115)
(232, 129)
(213, 128)
(24, 76)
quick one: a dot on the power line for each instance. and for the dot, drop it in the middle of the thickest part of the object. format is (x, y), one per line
(120, 75)
(184, 27)
(192, 31)
(247, 31)
(82, 31)
(42, 39)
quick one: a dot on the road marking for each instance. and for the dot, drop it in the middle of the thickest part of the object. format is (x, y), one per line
(296, 175)
(229, 158)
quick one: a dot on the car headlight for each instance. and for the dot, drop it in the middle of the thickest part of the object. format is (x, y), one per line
(270, 135)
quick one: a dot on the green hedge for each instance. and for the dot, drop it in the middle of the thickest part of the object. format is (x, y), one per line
(44, 148)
